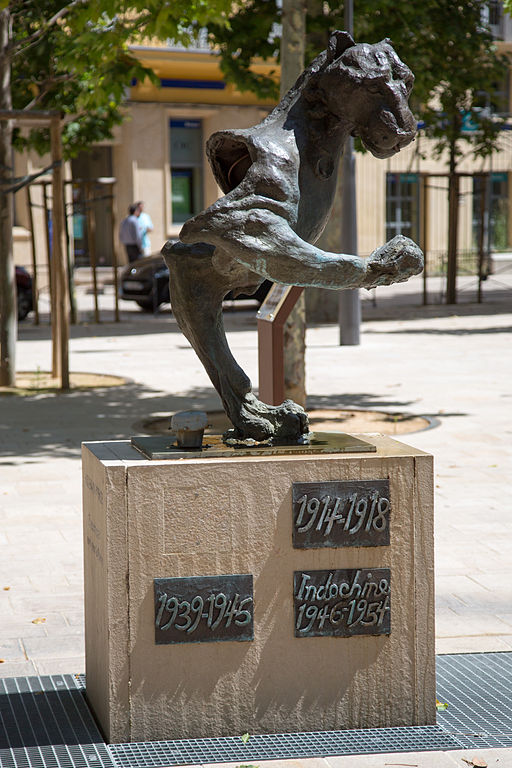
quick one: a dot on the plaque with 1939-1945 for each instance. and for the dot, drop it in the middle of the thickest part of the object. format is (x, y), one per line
(352, 513)
(202, 609)
(342, 602)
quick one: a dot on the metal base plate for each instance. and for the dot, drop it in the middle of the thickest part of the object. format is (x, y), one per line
(214, 448)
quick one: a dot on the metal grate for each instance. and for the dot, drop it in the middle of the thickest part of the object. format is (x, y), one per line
(57, 756)
(478, 690)
(43, 711)
(281, 746)
(45, 723)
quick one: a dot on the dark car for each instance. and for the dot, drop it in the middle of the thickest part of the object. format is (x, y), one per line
(24, 292)
(146, 282)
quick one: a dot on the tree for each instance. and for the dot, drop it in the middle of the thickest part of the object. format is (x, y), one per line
(448, 46)
(292, 64)
(73, 56)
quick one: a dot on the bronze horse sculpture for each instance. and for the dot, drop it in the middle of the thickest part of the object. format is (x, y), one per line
(279, 181)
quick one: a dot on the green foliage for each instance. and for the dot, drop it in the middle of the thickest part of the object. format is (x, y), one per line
(458, 69)
(447, 45)
(81, 64)
(249, 35)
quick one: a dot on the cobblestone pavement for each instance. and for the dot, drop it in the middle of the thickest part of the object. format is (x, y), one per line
(453, 363)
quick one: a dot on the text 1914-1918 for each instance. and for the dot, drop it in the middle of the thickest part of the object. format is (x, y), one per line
(341, 514)
(342, 602)
(203, 609)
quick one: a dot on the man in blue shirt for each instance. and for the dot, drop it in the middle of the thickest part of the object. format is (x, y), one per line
(145, 225)
(129, 234)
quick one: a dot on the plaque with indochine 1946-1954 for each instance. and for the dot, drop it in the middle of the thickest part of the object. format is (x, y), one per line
(342, 603)
(352, 513)
(201, 609)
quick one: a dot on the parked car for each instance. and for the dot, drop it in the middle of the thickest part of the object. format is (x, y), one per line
(23, 292)
(146, 282)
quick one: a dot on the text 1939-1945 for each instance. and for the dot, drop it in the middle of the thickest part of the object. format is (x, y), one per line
(204, 609)
(341, 514)
(342, 603)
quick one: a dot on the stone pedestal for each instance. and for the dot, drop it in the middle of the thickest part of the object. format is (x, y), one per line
(147, 520)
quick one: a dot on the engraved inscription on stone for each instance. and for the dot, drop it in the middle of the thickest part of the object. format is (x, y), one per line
(204, 609)
(352, 513)
(342, 603)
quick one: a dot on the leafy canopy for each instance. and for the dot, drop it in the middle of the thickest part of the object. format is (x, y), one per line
(459, 72)
(74, 56)
(447, 45)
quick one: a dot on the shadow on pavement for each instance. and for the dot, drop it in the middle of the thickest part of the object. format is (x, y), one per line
(409, 307)
(444, 331)
(370, 401)
(57, 424)
(131, 324)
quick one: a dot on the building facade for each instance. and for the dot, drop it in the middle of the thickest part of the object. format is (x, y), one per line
(157, 155)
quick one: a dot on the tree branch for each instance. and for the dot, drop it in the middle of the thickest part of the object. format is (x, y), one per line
(21, 46)
(46, 87)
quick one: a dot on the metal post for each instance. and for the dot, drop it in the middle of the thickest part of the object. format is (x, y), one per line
(481, 233)
(453, 223)
(52, 283)
(488, 204)
(48, 244)
(35, 301)
(58, 254)
(114, 256)
(73, 314)
(91, 243)
(349, 305)
(424, 231)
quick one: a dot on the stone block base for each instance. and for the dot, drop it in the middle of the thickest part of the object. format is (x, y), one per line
(147, 520)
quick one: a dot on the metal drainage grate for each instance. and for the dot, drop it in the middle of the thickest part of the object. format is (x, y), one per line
(45, 723)
(57, 756)
(43, 711)
(281, 746)
(478, 690)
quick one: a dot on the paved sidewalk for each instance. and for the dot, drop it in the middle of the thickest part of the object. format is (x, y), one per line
(453, 363)
(493, 758)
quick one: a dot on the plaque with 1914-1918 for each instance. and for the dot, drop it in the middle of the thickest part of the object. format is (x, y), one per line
(204, 609)
(342, 603)
(353, 513)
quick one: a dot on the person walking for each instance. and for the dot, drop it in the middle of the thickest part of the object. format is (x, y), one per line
(129, 234)
(145, 226)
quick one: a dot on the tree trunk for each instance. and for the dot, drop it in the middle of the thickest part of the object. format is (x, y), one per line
(453, 224)
(8, 314)
(292, 63)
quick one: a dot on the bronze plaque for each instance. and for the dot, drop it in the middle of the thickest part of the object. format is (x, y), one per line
(342, 603)
(273, 302)
(352, 513)
(157, 448)
(204, 609)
